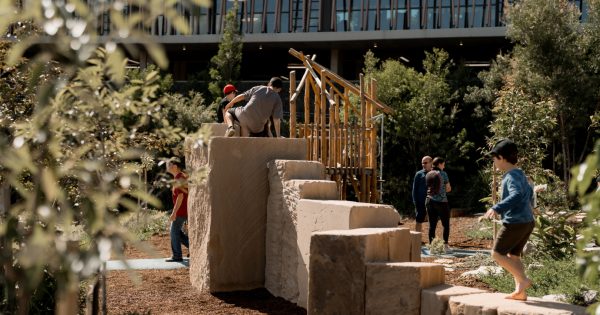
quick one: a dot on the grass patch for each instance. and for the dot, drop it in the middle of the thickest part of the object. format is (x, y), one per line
(549, 276)
(146, 223)
(481, 230)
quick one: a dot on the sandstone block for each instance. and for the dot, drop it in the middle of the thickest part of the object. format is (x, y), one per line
(227, 212)
(400, 245)
(434, 300)
(315, 189)
(338, 265)
(495, 303)
(322, 215)
(218, 129)
(415, 246)
(281, 238)
(393, 288)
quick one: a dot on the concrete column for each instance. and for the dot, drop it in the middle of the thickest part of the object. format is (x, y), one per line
(334, 60)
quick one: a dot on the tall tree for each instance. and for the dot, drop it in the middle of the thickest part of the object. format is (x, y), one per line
(555, 62)
(226, 64)
(421, 122)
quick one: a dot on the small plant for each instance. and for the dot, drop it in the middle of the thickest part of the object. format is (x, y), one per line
(146, 223)
(437, 247)
(481, 230)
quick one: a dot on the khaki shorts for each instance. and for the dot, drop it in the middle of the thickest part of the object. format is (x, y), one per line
(513, 237)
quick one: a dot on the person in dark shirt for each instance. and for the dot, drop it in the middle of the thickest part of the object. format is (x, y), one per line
(230, 92)
(419, 192)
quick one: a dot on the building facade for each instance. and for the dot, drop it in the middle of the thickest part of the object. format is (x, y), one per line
(339, 31)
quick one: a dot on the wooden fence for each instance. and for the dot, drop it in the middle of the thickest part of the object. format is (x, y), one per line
(339, 125)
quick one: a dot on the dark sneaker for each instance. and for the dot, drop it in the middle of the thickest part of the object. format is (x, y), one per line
(174, 259)
(230, 131)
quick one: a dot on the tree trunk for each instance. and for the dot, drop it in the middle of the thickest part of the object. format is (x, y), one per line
(565, 148)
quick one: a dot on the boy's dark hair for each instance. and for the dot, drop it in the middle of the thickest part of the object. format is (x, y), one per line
(276, 82)
(437, 161)
(507, 149)
(177, 162)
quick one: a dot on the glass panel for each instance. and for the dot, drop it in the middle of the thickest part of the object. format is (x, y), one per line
(415, 14)
(371, 20)
(284, 22)
(401, 17)
(355, 21)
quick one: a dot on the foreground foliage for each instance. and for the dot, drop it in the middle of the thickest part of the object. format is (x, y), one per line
(88, 128)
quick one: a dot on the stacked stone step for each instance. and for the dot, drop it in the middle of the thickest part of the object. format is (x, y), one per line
(298, 206)
(352, 272)
(289, 181)
(458, 300)
(227, 211)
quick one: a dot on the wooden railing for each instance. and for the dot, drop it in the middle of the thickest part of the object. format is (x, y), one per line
(339, 126)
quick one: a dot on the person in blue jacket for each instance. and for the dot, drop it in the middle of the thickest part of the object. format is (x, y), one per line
(419, 192)
(516, 211)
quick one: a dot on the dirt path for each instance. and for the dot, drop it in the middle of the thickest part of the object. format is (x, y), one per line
(170, 291)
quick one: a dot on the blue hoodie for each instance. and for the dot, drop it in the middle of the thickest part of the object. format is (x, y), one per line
(517, 198)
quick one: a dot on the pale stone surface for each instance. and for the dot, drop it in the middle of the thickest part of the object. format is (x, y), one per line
(393, 288)
(415, 246)
(315, 189)
(400, 246)
(495, 303)
(338, 268)
(320, 215)
(218, 129)
(281, 239)
(227, 212)
(434, 300)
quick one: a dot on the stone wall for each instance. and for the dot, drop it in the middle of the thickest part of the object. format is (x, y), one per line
(227, 212)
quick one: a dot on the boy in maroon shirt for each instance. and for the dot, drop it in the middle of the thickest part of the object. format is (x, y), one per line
(179, 213)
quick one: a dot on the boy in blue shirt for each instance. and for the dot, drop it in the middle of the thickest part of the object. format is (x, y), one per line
(516, 212)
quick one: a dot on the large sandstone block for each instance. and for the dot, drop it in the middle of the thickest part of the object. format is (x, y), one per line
(338, 261)
(495, 303)
(218, 129)
(227, 212)
(395, 288)
(415, 246)
(281, 239)
(322, 215)
(434, 300)
(314, 189)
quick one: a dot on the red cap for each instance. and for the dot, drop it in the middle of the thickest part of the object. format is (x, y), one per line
(228, 89)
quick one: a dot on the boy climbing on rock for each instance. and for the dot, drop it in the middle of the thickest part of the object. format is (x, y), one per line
(516, 212)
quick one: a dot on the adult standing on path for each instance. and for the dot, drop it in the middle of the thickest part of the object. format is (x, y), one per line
(419, 193)
(438, 184)
(516, 212)
(179, 213)
(264, 102)
(230, 92)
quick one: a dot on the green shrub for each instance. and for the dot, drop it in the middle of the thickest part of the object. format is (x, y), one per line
(549, 276)
(146, 223)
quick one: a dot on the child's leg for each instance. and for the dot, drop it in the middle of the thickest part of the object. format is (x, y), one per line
(515, 267)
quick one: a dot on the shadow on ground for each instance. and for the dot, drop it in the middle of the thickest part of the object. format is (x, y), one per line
(260, 300)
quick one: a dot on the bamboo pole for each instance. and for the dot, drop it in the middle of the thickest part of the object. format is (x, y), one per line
(307, 123)
(323, 110)
(373, 143)
(362, 142)
(337, 79)
(292, 105)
